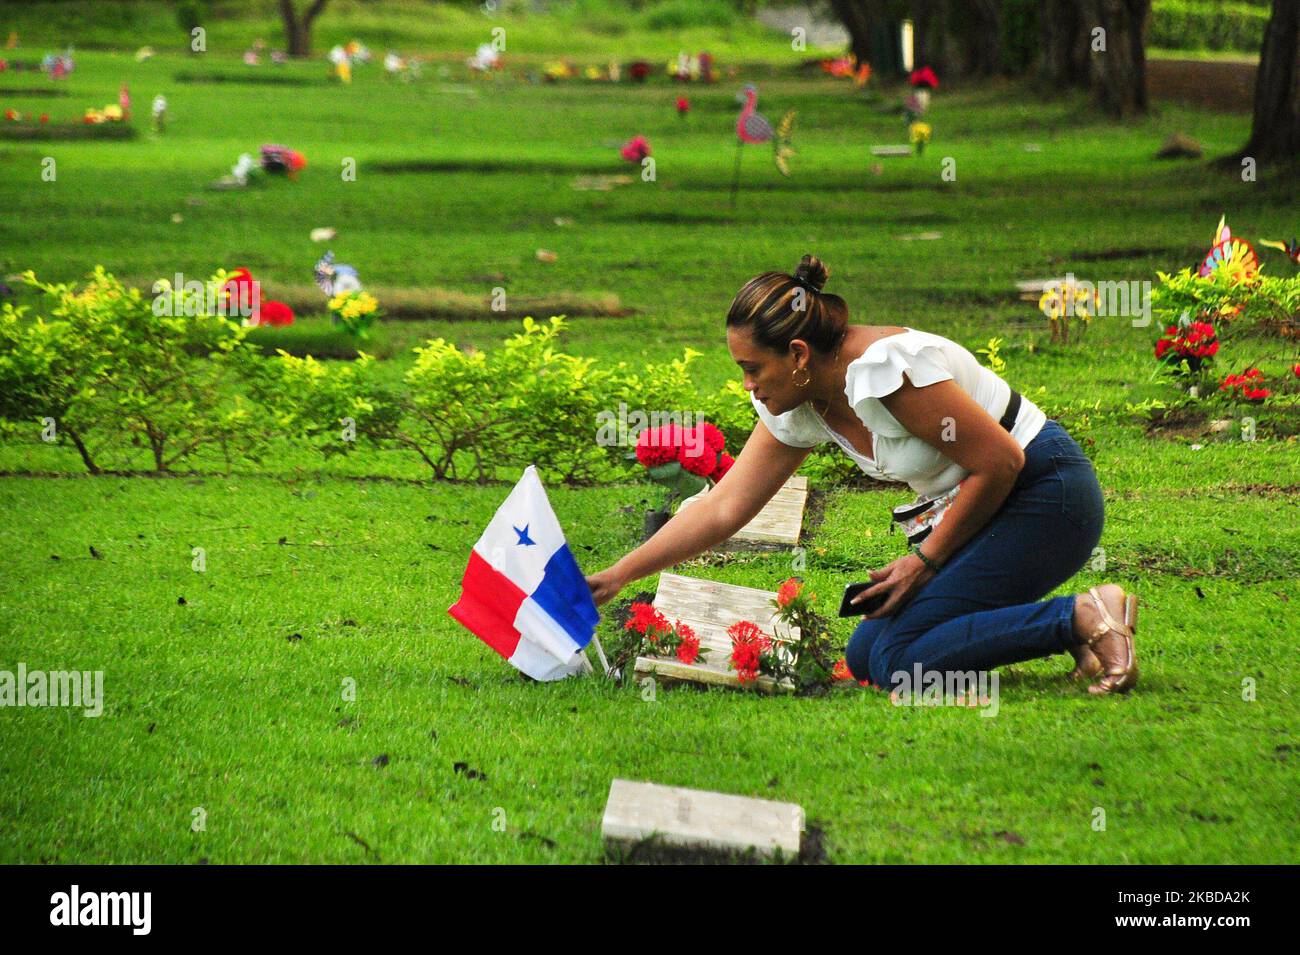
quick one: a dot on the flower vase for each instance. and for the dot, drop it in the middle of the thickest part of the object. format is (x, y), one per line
(653, 521)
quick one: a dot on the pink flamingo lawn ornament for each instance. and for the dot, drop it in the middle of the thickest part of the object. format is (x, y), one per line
(753, 127)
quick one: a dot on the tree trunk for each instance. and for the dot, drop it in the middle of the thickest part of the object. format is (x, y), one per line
(981, 37)
(1064, 44)
(858, 17)
(1119, 72)
(297, 30)
(1275, 130)
(929, 23)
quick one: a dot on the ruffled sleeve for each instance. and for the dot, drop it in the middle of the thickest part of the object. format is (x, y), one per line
(792, 428)
(879, 372)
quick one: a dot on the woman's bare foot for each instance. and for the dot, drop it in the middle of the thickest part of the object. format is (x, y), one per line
(1106, 633)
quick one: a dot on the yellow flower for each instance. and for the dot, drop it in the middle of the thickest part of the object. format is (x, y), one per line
(920, 132)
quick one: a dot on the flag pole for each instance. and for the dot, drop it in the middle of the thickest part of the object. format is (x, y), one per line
(600, 652)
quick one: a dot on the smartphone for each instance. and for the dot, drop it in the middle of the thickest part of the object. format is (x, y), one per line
(867, 606)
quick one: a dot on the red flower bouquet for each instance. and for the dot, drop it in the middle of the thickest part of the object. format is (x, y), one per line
(635, 149)
(683, 460)
(925, 78)
(1246, 386)
(1192, 342)
(751, 651)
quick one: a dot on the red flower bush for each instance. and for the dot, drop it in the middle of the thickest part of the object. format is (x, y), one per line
(749, 645)
(788, 592)
(1195, 343)
(688, 651)
(660, 638)
(1246, 386)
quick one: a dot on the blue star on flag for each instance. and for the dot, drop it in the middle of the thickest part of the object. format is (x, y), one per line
(524, 539)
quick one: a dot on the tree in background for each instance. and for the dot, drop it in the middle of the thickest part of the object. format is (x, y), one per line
(1275, 129)
(1118, 73)
(297, 29)
(860, 18)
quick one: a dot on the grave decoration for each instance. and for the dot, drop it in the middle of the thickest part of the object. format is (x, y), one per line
(485, 59)
(753, 127)
(1064, 301)
(697, 68)
(849, 68)
(732, 645)
(684, 461)
(335, 278)
(523, 593)
(158, 110)
(635, 149)
(244, 292)
(683, 106)
(58, 65)
(1291, 249)
(282, 159)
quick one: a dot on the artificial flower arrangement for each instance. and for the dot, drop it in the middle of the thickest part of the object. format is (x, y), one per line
(1060, 303)
(635, 149)
(683, 460)
(356, 311)
(243, 291)
(919, 134)
(1188, 346)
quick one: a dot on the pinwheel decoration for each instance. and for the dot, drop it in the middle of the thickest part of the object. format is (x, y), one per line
(335, 279)
(282, 159)
(1292, 248)
(1230, 256)
(753, 127)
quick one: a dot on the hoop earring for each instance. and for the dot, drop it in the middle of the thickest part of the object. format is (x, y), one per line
(804, 383)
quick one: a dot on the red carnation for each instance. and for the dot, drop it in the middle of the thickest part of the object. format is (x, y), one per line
(683, 105)
(725, 461)
(655, 446)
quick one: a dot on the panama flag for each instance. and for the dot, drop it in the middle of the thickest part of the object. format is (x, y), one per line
(523, 593)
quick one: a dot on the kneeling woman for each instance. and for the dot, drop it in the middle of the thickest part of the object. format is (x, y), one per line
(912, 407)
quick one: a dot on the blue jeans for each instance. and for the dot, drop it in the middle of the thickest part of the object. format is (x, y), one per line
(981, 609)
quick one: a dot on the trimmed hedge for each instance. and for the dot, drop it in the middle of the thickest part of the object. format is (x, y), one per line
(1201, 25)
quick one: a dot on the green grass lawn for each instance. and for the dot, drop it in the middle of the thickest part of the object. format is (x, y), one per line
(233, 701)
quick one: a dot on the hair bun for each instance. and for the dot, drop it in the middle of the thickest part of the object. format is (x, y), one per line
(812, 271)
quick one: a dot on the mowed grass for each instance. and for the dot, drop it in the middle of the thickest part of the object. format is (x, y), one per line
(216, 704)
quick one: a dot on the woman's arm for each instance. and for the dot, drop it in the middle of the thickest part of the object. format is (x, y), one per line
(951, 421)
(763, 466)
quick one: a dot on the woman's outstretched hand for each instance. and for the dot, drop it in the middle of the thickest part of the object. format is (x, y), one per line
(899, 580)
(604, 585)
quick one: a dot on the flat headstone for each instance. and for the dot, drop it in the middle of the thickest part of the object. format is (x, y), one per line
(696, 819)
(891, 150)
(709, 608)
(780, 522)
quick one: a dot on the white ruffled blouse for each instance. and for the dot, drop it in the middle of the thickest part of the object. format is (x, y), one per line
(897, 455)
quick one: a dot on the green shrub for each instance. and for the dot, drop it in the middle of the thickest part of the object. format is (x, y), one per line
(1198, 25)
(115, 371)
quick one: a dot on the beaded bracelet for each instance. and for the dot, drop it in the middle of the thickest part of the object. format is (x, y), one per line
(916, 549)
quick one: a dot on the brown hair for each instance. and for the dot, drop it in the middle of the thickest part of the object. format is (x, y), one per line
(766, 305)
